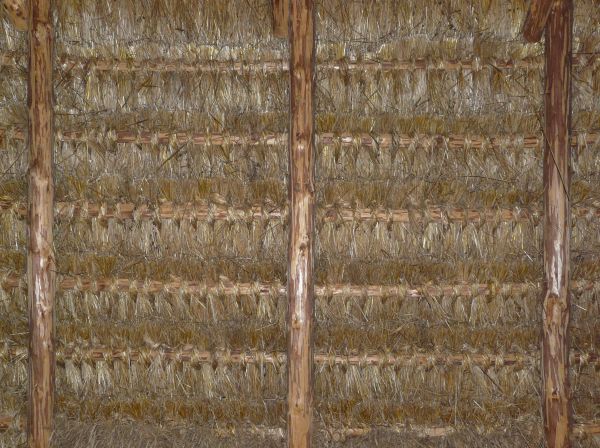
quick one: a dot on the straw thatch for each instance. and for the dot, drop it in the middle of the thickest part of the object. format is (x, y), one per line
(171, 228)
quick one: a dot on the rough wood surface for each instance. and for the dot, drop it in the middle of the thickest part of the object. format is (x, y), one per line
(557, 219)
(537, 17)
(40, 260)
(281, 15)
(302, 223)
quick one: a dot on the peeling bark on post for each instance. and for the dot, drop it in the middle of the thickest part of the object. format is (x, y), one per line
(557, 221)
(281, 14)
(537, 17)
(40, 259)
(302, 218)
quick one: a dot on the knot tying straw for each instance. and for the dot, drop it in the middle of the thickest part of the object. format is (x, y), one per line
(582, 140)
(112, 136)
(468, 142)
(499, 361)
(211, 213)
(113, 287)
(79, 283)
(133, 286)
(584, 359)
(138, 213)
(84, 210)
(518, 141)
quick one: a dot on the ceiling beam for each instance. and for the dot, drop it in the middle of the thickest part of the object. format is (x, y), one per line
(40, 257)
(556, 394)
(302, 223)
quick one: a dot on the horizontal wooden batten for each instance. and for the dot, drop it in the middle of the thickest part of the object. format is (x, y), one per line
(381, 140)
(69, 63)
(338, 434)
(326, 214)
(12, 280)
(195, 356)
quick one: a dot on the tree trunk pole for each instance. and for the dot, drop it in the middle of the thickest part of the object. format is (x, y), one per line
(302, 218)
(40, 259)
(557, 222)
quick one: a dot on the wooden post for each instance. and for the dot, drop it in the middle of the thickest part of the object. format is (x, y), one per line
(281, 9)
(536, 19)
(557, 221)
(302, 217)
(40, 260)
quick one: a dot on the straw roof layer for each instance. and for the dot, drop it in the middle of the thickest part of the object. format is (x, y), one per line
(171, 229)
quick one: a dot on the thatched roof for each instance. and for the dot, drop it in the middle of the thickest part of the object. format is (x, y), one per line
(171, 224)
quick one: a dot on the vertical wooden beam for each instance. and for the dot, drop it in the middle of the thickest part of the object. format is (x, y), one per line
(557, 222)
(40, 259)
(281, 9)
(302, 211)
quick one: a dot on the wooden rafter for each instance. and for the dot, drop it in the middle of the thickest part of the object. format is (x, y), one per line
(281, 17)
(536, 19)
(302, 223)
(557, 219)
(40, 259)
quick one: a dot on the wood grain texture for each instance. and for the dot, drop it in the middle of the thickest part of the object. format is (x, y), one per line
(557, 222)
(302, 223)
(536, 19)
(281, 15)
(40, 259)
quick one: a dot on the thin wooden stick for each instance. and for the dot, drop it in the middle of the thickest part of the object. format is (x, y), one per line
(537, 17)
(281, 17)
(338, 434)
(69, 63)
(557, 165)
(10, 280)
(203, 211)
(302, 223)
(383, 140)
(196, 356)
(40, 259)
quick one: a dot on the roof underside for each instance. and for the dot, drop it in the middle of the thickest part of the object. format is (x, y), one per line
(171, 231)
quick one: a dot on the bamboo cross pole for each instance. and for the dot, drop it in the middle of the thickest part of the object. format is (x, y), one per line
(281, 17)
(40, 260)
(557, 220)
(302, 223)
